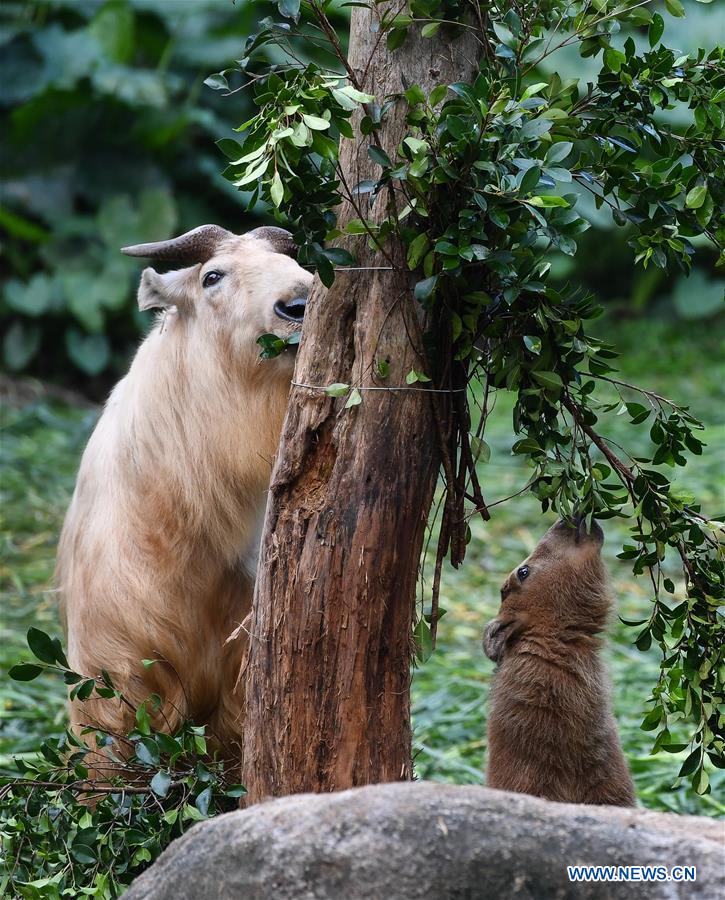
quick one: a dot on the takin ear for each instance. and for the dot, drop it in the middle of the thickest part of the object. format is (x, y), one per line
(167, 290)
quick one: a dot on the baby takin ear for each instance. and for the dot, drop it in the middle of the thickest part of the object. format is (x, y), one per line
(551, 731)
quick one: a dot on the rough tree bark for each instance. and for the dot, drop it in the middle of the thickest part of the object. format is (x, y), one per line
(328, 673)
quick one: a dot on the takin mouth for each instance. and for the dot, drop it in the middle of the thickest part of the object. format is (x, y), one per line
(291, 310)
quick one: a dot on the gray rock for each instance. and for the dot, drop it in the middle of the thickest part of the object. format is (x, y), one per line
(432, 841)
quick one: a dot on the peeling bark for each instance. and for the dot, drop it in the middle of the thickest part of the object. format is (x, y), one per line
(328, 673)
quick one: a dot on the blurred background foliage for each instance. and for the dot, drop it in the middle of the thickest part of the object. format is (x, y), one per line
(109, 139)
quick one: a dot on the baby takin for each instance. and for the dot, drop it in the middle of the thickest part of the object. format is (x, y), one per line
(551, 731)
(158, 552)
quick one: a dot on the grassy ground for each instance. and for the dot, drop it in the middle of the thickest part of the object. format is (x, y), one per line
(40, 450)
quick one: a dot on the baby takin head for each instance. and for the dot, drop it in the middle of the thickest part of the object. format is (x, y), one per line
(241, 286)
(558, 590)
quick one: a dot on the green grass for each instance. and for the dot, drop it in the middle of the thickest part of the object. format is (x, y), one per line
(41, 447)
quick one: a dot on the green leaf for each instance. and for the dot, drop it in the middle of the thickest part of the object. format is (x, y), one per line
(354, 94)
(527, 446)
(550, 380)
(143, 722)
(430, 29)
(638, 412)
(290, 9)
(113, 28)
(160, 784)
(535, 128)
(217, 82)
(203, 800)
(533, 343)
(696, 196)
(42, 645)
(534, 89)
(423, 640)
(354, 399)
(147, 753)
(338, 389)
(33, 298)
(230, 148)
(701, 782)
(652, 719)
(691, 763)
(380, 157)
(558, 152)
(276, 190)
(529, 180)
(438, 94)
(253, 172)
(656, 29)
(83, 854)
(417, 250)
(91, 353)
(271, 345)
(547, 201)
(236, 790)
(675, 8)
(25, 672)
(614, 59)
(316, 123)
(414, 94)
(424, 289)
(480, 449)
(21, 342)
(339, 256)
(345, 102)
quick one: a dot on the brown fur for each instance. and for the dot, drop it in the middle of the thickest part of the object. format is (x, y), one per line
(551, 732)
(158, 551)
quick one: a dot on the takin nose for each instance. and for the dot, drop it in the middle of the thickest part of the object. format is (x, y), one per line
(291, 310)
(595, 534)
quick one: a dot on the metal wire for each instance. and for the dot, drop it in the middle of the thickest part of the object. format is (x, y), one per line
(320, 387)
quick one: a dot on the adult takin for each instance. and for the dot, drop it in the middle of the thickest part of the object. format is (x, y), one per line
(157, 556)
(551, 731)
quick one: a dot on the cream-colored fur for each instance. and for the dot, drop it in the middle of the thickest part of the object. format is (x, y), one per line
(158, 550)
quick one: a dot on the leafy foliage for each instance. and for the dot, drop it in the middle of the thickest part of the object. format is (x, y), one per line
(488, 182)
(64, 832)
(108, 140)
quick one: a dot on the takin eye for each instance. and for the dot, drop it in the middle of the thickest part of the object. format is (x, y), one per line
(211, 278)
(522, 573)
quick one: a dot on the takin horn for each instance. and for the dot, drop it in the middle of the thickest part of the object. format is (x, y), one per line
(196, 246)
(280, 239)
(199, 244)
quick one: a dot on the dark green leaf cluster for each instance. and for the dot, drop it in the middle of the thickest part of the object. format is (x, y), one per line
(290, 154)
(64, 832)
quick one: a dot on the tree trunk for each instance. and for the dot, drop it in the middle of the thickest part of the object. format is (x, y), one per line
(328, 673)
